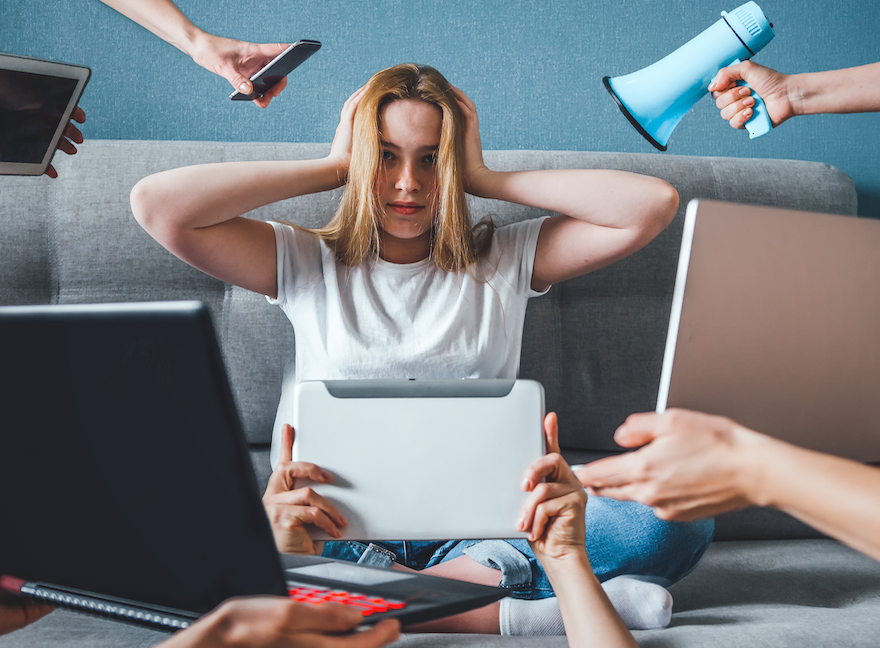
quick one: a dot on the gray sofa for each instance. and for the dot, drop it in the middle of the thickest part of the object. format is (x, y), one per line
(596, 344)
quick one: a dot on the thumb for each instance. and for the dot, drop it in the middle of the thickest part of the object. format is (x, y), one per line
(551, 432)
(727, 77)
(287, 437)
(638, 430)
(240, 82)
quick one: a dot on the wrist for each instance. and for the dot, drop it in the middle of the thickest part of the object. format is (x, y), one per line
(566, 564)
(757, 458)
(338, 166)
(482, 182)
(195, 42)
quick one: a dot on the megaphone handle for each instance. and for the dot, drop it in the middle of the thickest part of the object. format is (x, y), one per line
(760, 123)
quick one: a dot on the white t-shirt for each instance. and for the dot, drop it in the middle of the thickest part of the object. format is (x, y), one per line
(389, 320)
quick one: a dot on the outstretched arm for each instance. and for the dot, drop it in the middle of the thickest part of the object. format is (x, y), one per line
(234, 60)
(195, 212)
(273, 622)
(693, 465)
(554, 517)
(607, 215)
(849, 90)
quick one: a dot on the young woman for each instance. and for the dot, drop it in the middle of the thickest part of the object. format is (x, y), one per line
(401, 285)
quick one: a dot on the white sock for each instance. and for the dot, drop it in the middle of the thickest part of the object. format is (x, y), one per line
(641, 605)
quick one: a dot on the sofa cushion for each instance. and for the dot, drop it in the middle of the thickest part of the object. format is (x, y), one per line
(596, 343)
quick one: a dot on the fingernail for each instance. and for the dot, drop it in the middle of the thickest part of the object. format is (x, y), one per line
(243, 87)
(520, 524)
(326, 475)
(712, 86)
(744, 91)
(526, 485)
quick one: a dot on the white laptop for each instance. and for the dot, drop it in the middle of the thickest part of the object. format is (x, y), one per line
(422, 460)
(775, 323)
(37, 98)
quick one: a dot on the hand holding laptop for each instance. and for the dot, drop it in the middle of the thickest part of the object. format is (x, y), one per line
(694, 465)
(690, 465)
(267, 622)
(290, 508)
(16, 613)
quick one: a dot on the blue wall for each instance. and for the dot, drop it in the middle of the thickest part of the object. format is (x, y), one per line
(533, 67)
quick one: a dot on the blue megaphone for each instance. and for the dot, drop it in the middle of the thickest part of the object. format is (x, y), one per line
(655, 98)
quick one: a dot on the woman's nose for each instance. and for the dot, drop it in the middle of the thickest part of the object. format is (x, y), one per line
(407, 180)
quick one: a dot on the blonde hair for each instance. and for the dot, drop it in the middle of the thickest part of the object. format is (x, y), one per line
(353, 232)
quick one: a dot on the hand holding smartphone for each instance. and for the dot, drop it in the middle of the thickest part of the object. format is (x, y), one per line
(278, 68)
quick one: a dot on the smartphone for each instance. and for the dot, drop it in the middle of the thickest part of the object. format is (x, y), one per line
(278, 68)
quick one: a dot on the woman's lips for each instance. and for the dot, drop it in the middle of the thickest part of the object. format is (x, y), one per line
(406, 209)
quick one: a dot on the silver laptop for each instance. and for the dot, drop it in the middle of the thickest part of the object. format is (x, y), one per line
(422, 460)
(775, 323)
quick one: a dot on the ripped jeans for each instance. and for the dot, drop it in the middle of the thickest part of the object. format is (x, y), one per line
(622, 538)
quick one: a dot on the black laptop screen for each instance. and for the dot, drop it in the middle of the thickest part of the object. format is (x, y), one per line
(121, 456)
(31, 105)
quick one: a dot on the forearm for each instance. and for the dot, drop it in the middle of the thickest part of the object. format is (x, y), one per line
(163, 18)
(588, 615)
(836, 91)
(602, 197)
(205, 195)
(836, 496)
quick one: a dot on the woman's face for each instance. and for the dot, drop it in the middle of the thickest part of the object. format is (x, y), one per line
(409, 137)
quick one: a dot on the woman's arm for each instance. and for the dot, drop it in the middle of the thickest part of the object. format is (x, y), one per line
(195, 212)
(234, 60)
(850, 90)
(607, 215)
(693, 465)
(554, 517)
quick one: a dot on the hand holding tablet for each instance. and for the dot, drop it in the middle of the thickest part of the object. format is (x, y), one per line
(37, 101)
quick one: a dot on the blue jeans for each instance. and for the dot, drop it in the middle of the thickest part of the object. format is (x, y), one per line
(622, 538)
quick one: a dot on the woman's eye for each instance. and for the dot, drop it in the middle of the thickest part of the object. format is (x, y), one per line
(430, 159)
(387, 155)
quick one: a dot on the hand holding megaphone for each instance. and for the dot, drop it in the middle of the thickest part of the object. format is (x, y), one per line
(735, 100)
(655, 98)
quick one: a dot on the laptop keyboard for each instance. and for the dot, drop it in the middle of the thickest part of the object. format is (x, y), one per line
(367, 605)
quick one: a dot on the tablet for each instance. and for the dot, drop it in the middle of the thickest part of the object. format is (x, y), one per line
(37, 98)
(422, 459)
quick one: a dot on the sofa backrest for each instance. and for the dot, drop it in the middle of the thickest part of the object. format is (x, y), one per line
(596, 343)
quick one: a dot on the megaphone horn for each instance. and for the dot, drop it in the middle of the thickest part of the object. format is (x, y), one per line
(655, 98)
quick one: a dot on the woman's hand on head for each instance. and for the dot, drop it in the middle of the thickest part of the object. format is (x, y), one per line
(340, 149)
(290, 509)
(553, 516)
(474, 167)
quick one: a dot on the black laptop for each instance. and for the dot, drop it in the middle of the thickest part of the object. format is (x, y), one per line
(127, 488)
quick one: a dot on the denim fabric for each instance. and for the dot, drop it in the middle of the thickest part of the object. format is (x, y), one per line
(376, 556)
(622, 538)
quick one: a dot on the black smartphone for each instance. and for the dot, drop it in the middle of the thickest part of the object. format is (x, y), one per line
(278, 68)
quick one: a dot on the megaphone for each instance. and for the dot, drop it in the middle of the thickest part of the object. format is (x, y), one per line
(655, 98)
